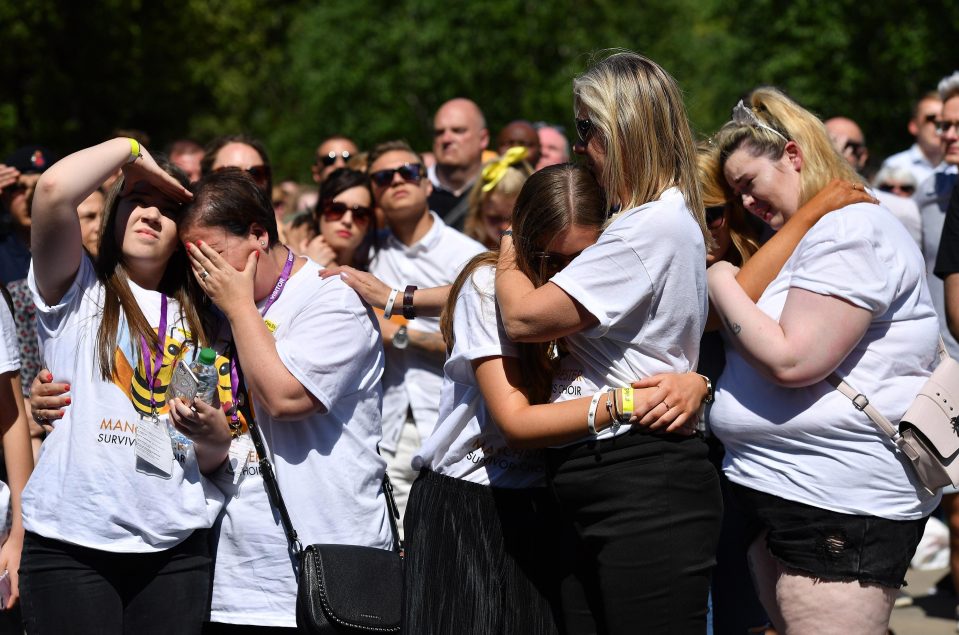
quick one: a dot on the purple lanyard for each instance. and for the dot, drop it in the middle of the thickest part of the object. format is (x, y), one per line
(153, 372)
(274, 296)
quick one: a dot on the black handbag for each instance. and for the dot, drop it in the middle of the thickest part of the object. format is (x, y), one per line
(341, 589)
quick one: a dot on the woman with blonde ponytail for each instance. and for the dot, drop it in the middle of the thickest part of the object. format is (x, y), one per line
(836, 512)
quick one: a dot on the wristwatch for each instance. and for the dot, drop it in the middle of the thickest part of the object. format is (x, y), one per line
(401, 338)
(709, 389)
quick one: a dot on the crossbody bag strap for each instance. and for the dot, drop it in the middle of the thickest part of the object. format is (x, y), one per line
(861, 403)
(272, 486)
(276, 498)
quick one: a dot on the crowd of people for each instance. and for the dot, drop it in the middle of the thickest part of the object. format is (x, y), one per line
(597, 391)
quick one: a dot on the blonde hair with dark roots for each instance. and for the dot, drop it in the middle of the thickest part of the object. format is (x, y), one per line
(820, 161)
(552, 200)
(716, 193)
(638, 113)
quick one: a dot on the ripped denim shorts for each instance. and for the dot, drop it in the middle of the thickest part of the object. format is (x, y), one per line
(829, 545)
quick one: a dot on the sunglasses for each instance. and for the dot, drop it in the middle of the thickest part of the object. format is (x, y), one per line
(584, 129)
(892, 187)
(260, 173)
(330, 159)
(335, 210)
(714, 215)
(409, 172)
(854, 148)
(552, 261)
(930, 118)
(944, 125)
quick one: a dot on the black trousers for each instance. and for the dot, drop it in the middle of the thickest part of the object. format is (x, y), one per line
(645, 512)
(69, 589)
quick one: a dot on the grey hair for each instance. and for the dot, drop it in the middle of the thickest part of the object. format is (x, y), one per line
(949, 86)
(892, 173)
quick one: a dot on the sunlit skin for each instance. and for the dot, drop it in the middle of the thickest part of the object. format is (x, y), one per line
(593, 151)
(950, 138)
(400, 200)
(235, 250)
(553, 147)
(721, 238)
(522, 134)
(345, 234)
(497, 211)
(924, 129)
(769, 189)
(146, 230)
(458, 134)
(90, 212)
(237, 155)
(337, 145)
(568, 242)
(189, 162)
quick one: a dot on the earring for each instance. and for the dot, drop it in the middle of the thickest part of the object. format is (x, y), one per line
(263, 244)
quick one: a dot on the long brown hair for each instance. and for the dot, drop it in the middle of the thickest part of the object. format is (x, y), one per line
(119, 299)
(552, 200)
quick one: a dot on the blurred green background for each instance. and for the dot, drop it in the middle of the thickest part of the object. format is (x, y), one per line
(294, 72)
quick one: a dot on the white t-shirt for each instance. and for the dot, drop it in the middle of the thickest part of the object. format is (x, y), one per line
(466, 443)
(86, 489)
(327, 465)
(810, 444)
(645, 281)
(413, 378)
(9, 349)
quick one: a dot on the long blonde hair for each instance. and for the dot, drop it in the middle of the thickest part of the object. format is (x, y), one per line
(784, 120)
(638, 113)
(716, 193)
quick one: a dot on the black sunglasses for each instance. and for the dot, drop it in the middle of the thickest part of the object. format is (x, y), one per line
(335, 210)
(331, 158)
(906, 189)
(714, 214)
(584, 129)
(260, 173)
(409, 172)
(552, 261)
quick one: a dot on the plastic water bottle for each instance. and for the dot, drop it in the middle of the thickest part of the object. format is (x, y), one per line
(206, 373)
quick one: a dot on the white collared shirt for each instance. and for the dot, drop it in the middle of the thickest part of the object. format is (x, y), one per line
(414, 378)
(913, 160)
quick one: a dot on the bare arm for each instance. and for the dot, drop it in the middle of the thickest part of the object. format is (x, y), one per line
(18, 457)
(813, 335)
(277, 390)
(533, 314)
(56, 242)
(427, 302)
(535, 426)
(760, 270)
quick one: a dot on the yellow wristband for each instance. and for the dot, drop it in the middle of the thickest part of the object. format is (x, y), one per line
(134, 150)
(628, 401)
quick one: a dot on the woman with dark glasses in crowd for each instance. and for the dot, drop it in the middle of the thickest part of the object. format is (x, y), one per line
(344, 220)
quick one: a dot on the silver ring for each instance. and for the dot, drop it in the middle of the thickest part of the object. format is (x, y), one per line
(204, 274)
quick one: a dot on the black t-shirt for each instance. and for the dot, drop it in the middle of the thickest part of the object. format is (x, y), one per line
(947, 259)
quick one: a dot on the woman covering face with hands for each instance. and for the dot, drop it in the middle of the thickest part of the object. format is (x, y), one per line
(308, 367)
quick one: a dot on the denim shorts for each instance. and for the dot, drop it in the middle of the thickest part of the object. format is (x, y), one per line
(829, 545)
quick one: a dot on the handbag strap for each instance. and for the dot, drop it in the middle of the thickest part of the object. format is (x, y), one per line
(276, 498)
(861, 403)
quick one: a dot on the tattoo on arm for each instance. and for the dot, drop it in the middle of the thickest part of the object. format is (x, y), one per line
(733, 327)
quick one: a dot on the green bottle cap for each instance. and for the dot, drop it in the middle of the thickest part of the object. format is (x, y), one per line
(207, 356)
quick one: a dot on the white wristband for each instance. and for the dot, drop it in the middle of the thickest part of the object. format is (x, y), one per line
(388, 311)
(591, 414)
